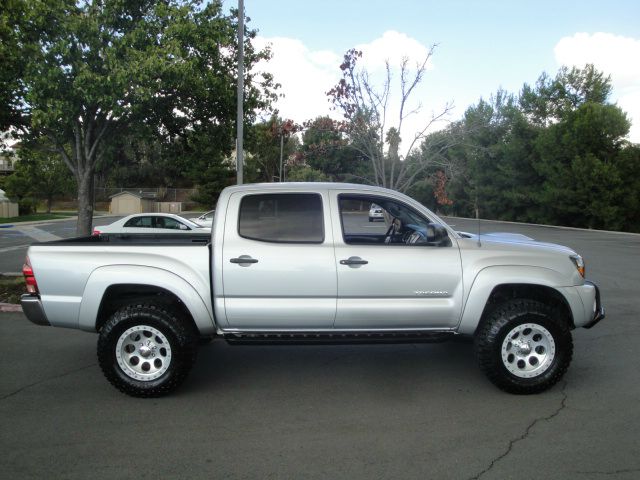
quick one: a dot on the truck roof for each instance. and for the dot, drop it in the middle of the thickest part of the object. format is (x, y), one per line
(314, 186)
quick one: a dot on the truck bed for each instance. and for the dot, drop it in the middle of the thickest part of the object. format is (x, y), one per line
(74, 273)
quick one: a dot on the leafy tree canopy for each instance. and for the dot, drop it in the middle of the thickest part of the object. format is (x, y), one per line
(95, 69)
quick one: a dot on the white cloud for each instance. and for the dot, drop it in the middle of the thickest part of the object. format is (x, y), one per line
(307, 75)
(392, 46)
(614, 55)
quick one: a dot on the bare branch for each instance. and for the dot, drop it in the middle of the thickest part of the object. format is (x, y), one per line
(421, 134)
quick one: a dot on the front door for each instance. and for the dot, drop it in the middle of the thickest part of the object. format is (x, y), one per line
(391, 274)
(278, 262)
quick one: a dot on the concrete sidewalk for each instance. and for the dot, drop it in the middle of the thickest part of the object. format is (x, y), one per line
(10, 307)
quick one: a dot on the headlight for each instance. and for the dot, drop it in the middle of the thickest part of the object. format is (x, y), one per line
(578, 261)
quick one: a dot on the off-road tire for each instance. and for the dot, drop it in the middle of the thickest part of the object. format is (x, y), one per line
(508, 319)
(182, 347)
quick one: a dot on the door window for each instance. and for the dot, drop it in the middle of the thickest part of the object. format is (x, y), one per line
(282, 218)
(379, 220)
(139, 222)
(169, 223)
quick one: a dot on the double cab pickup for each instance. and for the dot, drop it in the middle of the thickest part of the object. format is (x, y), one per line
(302, 263)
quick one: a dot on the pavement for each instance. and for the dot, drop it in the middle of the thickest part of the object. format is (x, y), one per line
(420, 411)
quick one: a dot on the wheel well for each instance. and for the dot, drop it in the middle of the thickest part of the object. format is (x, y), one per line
(541, 293)
(117, 296)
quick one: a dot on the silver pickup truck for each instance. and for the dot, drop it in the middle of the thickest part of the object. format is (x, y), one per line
(302, 263)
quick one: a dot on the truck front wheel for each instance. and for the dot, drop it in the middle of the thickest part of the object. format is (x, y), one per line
(524, 346)
(145, 350)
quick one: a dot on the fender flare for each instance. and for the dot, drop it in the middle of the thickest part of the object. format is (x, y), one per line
(104, 277)
(491, 277)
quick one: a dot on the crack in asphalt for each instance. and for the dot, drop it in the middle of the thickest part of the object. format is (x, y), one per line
(21, 389)
(526, 433)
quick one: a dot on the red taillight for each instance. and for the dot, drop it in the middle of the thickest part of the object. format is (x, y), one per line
(96, 232)
(29, 277)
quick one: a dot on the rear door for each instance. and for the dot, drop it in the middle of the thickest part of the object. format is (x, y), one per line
(278, 262)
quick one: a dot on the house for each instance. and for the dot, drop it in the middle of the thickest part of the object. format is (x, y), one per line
(7, 208)
(127, 202)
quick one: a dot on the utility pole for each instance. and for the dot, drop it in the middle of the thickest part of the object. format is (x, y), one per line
(240, 116)
(281, 152)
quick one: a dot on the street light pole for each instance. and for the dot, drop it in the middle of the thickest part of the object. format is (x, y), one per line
(281, 152)
(239, 118)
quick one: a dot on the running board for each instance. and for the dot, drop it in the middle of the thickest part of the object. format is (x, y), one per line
(326, 338)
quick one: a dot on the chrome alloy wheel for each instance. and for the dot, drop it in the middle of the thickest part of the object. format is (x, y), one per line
(143, 353)
(528, 350)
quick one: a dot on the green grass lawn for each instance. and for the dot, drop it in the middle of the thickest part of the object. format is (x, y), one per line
(36, 217)
(11, 288)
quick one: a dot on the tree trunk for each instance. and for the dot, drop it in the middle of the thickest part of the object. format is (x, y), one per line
(84, 226)
(49, 201)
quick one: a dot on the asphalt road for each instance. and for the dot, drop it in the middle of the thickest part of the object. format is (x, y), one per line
(354, 412)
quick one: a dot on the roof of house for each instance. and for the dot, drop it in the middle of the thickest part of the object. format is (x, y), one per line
(140, 194)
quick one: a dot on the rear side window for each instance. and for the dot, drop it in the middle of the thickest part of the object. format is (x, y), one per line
(140, 222)
(282, 218)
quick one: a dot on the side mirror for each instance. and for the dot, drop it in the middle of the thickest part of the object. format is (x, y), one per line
(437, 235)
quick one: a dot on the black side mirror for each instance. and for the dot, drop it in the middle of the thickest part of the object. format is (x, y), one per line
(437, 235)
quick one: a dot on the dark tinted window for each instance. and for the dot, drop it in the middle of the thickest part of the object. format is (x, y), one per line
(284, 217)
(169, 223)
(139, 222)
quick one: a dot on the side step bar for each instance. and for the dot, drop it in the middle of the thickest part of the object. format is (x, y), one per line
(326, 338)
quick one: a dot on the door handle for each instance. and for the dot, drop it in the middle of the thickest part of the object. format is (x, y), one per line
(244, 260)
(353, 261)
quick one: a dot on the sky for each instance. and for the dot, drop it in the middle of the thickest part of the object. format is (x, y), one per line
(481, 46)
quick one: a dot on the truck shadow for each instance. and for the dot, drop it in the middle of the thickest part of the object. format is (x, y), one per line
(356, 368)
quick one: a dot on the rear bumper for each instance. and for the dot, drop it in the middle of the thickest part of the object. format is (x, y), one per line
(32, 308)
(598, 313)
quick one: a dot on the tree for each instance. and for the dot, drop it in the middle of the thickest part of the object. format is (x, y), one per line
(305, 173)
(263, 144)
(12, 18)
(553, 99)
(578, 160)
(99, 67)
(39, 175)
(325, 148)
(367, 111)
(556, 154)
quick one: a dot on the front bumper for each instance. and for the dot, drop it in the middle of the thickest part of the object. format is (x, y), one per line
(32, 308)
(598, 311)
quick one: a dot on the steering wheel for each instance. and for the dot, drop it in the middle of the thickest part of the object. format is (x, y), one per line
(416, 237)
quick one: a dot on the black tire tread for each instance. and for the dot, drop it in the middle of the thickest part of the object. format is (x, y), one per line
(493, 325)
(184, 352)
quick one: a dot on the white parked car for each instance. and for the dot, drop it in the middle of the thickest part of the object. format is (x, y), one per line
(206, 219)
(151, 223)
(376, 213)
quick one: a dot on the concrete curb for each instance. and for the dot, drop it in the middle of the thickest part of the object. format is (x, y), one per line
(55, 220)
(10, 307)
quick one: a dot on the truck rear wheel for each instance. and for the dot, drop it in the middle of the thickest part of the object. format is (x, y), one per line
(145, 350)
(524, 346)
